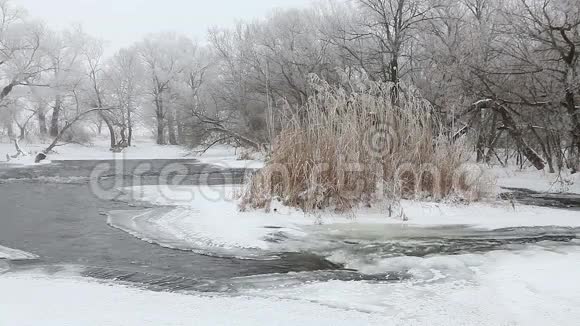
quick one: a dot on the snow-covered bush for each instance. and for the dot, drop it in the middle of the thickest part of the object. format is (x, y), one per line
(345, 148)
(78, 133)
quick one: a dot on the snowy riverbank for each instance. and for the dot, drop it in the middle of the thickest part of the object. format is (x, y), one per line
(540, 181)
(460, 269)
(99, 150)
(33, 299)
(207, 219)
(221, 155)
(533, 285)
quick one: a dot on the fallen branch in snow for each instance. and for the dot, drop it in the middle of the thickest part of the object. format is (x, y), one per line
(516, 134)
(513, 129)
(41, 156)
(217, 126)
(207, 147)
(19, 151)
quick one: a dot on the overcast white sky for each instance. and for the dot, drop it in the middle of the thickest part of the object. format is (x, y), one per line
(124, 21)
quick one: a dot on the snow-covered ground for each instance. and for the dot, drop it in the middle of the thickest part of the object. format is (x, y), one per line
(229, 157)
(533, 285)
(208, 219)
(515, 284)
(36, 299)
(540, 181)
(99, 150)
(221, 155)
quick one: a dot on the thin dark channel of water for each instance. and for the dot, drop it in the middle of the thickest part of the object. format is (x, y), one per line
(396, 241)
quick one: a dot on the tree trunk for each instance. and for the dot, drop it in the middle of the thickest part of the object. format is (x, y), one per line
(160, 115)
(111, 129)
(160, 130)
(545, 148)
(42, 123)
(172, 135)
(480, 147)
(395, 79)
(492, 138)
(7, 89)
(100, 126)
(516, 134)
(22, 133)
(171, 127)
(55, 116)
(181, 132)
(129, 127)
(19, 151)
(123, 133)
(574, 113)
(491, 148)
(9, 128)
(557, 145)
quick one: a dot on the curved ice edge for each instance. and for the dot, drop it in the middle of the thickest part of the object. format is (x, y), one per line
(15, 254)
(44, 179)
(135, 224)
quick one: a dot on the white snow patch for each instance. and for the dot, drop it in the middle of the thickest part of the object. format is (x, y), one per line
(33, 299)
(99, 150)
(228, 157)
(208, 219)
(220, 202)
(222, 155)
(528, 287)
(540, 181)
(487, 215)
(9, 149)
(535, 285)
(15, 254)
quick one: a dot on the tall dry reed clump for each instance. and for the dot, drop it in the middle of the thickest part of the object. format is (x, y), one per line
(346, 148)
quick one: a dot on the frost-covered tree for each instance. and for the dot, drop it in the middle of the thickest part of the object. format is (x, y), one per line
(124, 75)
(21, 49)
(165, 58)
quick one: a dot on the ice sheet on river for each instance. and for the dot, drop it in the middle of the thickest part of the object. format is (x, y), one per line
(206, 219)
(533, 285)
(170, 227)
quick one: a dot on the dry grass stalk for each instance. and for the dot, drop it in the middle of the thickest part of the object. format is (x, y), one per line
(348, 148)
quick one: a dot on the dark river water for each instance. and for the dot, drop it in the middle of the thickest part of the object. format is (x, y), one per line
(52, 211)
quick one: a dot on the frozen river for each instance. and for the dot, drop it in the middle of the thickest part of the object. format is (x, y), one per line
(53, 219)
